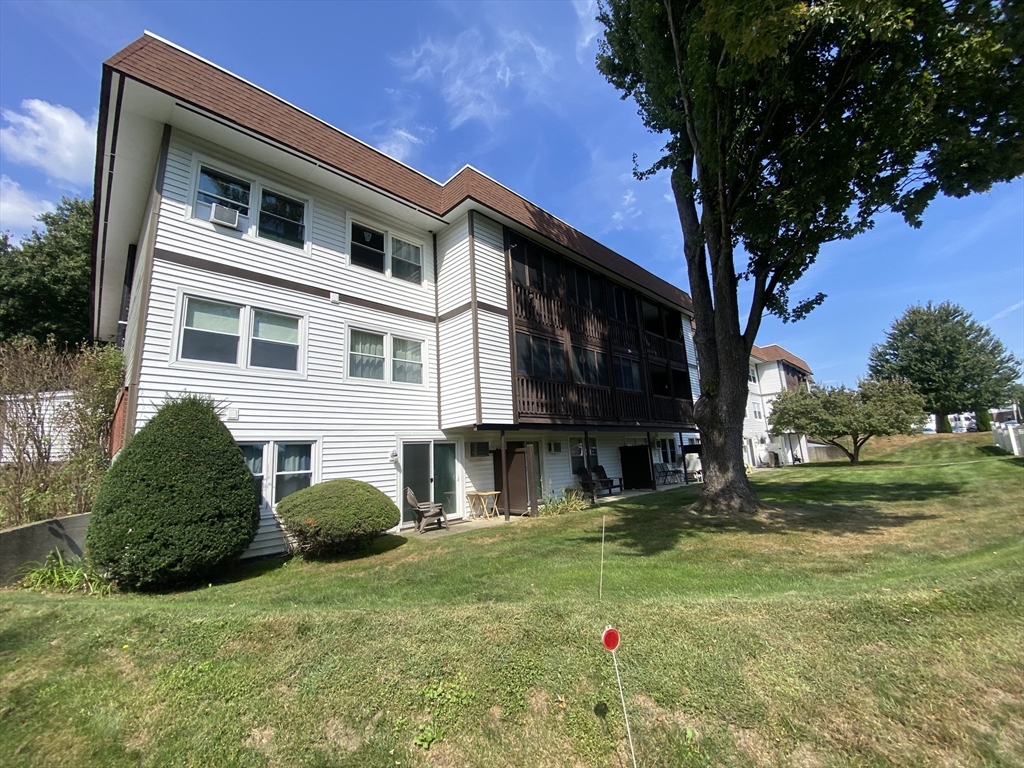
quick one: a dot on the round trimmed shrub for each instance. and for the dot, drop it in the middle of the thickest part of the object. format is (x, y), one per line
(178, 503)
(336, 516)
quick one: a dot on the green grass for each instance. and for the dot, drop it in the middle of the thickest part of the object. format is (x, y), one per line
(873, 617)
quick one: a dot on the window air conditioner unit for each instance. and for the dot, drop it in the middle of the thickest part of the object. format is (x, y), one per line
(221, 214)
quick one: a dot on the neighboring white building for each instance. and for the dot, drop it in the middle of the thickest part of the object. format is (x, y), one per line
(772, 369)
(355, 318)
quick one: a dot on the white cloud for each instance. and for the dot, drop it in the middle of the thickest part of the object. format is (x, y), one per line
(18, 208)
(1004, 312)
(399, 144)
(52, 138)
(589, 29)
(628, 210)
(475, 75)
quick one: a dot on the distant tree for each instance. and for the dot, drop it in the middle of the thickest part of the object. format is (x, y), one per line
(955, 362)
(46, 278)
(792, 124)
(1015, 398)
(848, 418)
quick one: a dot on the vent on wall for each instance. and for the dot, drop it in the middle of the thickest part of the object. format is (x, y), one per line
(221, 214)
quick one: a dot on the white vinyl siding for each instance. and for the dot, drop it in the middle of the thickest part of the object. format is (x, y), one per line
(489, 249)
(324, 261)
(458, 388)
(353, 423)
(495, 368)
(453, 283)
(691, 358)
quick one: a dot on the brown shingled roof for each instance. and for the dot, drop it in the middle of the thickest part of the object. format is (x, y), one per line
(190, 79)
(774, 352)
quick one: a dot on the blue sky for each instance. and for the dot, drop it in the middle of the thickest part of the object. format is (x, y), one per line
(511, 89)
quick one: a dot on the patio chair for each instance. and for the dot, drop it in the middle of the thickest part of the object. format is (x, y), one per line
(608, 483)
(664, 474)
(694, 468)
(588, 484)
(426, 511)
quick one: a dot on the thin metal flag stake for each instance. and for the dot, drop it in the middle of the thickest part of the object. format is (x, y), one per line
(610, 640)
(600, 583)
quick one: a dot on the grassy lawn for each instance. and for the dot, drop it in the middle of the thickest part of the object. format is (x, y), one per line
(874, 618)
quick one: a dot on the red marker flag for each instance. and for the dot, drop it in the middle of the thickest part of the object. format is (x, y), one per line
(610, 638)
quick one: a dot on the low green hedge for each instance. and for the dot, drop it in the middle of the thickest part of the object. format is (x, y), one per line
(336, 516)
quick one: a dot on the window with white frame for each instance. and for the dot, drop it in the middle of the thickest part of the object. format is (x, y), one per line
(281, 218)
(378, 251)
(667, 447)
(478, 449)
(369, 352)
(279, 468)
(213, 332)
(293, 469)
(757, 411)
(752, 375)
(576, 455)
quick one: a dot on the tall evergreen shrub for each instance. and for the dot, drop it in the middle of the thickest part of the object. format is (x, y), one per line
(177, 504)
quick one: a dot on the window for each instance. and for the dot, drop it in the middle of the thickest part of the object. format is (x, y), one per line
(275, 341)
(752, 375)
(367, 248)
(253, 453)
(368, 251)
(294, 469)
(652, 318)
(623, 305)
(589, 367)
(673, 325)
(212, 332)
(667, 446)
(659, 380)
(478, 449)
(407, 361)
(576, 457)
(757, 411)
(534, 266)
(584, 288)
(627, 374)
(680, 384)
(555, 447)
(406, 261)
(216, 188)
(282, 219)
(368, 355)
(539, 357)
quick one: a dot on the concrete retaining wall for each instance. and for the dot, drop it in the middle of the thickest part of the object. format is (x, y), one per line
(33, 542)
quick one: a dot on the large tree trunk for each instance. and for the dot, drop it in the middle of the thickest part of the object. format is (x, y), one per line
(723, 356)
(942, 422)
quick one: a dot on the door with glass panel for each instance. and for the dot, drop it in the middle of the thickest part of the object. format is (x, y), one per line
(428, 467)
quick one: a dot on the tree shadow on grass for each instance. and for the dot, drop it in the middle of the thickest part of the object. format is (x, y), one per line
(992, 450)
(832, 508)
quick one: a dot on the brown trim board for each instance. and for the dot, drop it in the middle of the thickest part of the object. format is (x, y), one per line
(476, 328)
(277, 282)
(437, 330)
(106, 204)
(455, 312)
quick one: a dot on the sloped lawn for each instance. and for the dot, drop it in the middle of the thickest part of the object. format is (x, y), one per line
(873, 618)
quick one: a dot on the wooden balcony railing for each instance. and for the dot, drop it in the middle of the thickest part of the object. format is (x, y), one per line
(535, 307)
(539, 397)
(586, 324)
(592, 402)
(632, 406)
(656, 345)
(672, 409)
(676, 351)
(625, 336)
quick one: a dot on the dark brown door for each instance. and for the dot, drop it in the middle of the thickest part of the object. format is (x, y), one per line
(522, 471)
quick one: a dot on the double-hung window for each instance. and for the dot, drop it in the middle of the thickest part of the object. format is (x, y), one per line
(285, 469)
(376, 250)
(239, 335)
(211, 331)
(369, 353)
(752, 374)
(226, 200)
(282, 219)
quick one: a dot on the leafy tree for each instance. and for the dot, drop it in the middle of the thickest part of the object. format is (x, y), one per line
(845, 417)
(955, 362)
(46, 278)
(792, 124)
